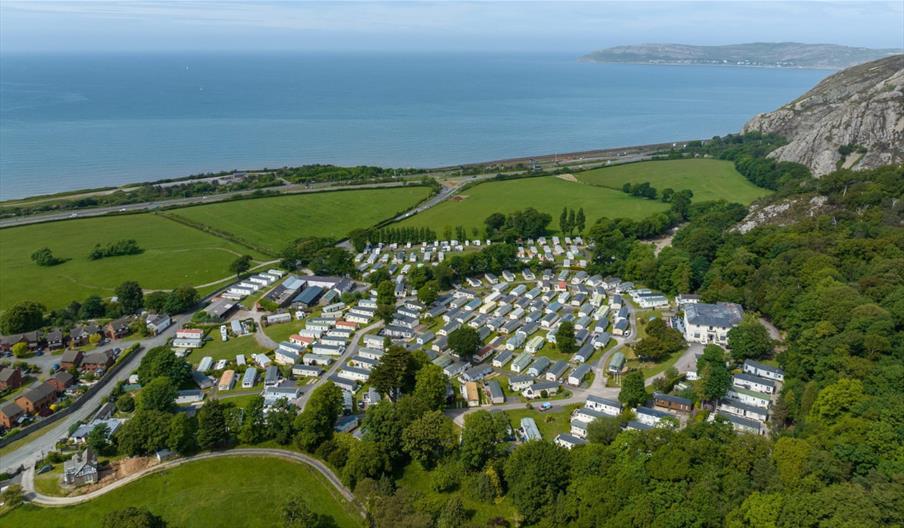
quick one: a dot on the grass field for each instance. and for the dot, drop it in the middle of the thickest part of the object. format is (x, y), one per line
(173, 255)
(247, 492)
(272, 223)
(218, 349)
(709, 179)
(550, 423)
(547, 194)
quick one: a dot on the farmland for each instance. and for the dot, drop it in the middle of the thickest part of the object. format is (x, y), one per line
(547, 194)
(173, 255)
(708, 179)
(223, 492)
(272, 223)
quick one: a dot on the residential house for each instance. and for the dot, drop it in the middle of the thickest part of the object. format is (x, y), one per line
(529, 430)
(521, 362)
(272, 395)
(10, 414)
(763, 370)
(10, 378)
(80, 335)
(749, 397)
(584, 353)
(55, 339)
(98, 360)
(37, 400)
(271, 376)
(227, 380)
(569, 441)
(502, 358)
(617, 363)
(477, 373)
(117, 328)
(710, 323)
(541, 389)
(578, 374)
(249, 378)
(673, 403)
(189, 396)
(494, 391)
(742, 425)
(157, 323)
(81, 469)
(754, 383)
(556, 371)
(307, 371)
(604, 405)
(61, 381)
(651, 417)
(744, 410)
(471, 394)
(519, 383)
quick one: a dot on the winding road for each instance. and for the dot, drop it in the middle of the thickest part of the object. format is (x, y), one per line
(317, 465)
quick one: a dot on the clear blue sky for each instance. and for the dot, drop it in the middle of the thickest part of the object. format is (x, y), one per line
(76, 26)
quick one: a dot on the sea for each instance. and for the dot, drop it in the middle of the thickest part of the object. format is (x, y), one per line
(74, 121)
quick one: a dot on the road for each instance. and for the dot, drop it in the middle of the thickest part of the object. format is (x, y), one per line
(35, 450)
(320, 467)
(350, 351)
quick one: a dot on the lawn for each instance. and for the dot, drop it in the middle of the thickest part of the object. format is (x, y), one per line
(272, 223)
(416, 478)
(708, 179)
(244, 492)
(218, 349)
(281, 332)
(547, 194)
(552, 422)
(173, 255)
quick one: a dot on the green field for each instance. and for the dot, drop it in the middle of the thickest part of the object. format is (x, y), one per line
(245, 492)
(709, 179)
(272, 223)
(174, 255)
(547, 194)
(219, 349)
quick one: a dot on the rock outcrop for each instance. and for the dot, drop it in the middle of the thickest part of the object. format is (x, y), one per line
(853, 119)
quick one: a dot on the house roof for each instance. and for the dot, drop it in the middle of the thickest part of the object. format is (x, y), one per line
(670, 398)
(38, 393)
(11, 410)
(755, 379)
(70, 356)
(7, 373)
(763, 366)
(722, 315)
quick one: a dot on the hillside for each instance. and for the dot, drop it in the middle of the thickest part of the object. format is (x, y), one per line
(766, 54)
(852, 119)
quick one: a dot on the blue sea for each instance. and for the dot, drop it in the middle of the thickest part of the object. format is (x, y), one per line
(81, 121)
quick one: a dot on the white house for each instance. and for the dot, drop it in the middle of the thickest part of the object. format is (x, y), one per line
(764, 371)
(710, 323)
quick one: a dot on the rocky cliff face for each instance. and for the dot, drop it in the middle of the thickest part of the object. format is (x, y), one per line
(861, 107)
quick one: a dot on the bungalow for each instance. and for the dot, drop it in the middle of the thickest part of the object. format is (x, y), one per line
(744, 410)
(187, 342)
(471, 394)
(99, 360)
(302, 341)
(54, 339)
(763, 370)
(754, 383)
(202, 380)
(541, 389)
(600, 340)
(556, 371)
(528, 274)
(271, 376)
(549, 320)
(510, 327)
(354, 373)
(749, 397)
(455, 368)
(81, 469)
(375, 354)
(117, 328)
(227, 380)
(635, 425)
(568, 441)
(502, 358)
(80, 435)
(494, 391)
(604, 405)
(516, 341)
(279, 318)
(616, 302)
(443, 361)
(617, 363)
(508, 276)
(334, 340)
(534, 345)
(10, 415)
(578, 374)
(587, 415)
(272, 395)
(424, 338)
(261, 360)
(477, 373)
(327, 350)
(80, 335)
(584, 353)
(473, 282)
(363, 362)
(185, 397)
(37, 400)
(307, 371)
(529, 430)
(620, 328)
(10, 378)
(673, 403)
(249, 378)
(61, 381)
(358, 317)
(345, 384)
(373, 341)
(285, 357)
(157, 323)
(652, 300)
(521, 362)
(651, 417)
(742, 425)
(346, 424)
(578, 428)
(519, 383)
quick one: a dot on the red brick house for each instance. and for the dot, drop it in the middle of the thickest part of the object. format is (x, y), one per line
(95, 361)
(71, 359)
(61, 380)
(9, 414)
(10, 378)
(37, 400)
(117, 328)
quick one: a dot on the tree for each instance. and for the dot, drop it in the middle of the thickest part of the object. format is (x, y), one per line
(834, 400)
(428, 293)
(572, 221)
(749, 340)
(482, 438)
(97, 438)
(125, 403)
(603, 430)
(44, 257)
(180, 300)
(365, 461)
(12, 496)
(395, 372)
(429, 438)
(240, 265)
(494, 223)
(384, 425)
(212, 431)
(158, 395)
(160, 361)
(145, 432)
(156, 301)
(181, 434)
(280, 421)
(92, 307)
(385, 300)
(20, 350)
(632, 392)
(563, 221)
(315, 424)
(130, 297)
(565, 341)
(23, 317)
(430, 387)
(332, 261)
(254, 424)
(715, 379)
(132, 517)
(453, 514)
(297, 514)
(580, 221)
(464, 342)
(537, 475)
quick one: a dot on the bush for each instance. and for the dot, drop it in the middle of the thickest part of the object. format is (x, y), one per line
(445, 478)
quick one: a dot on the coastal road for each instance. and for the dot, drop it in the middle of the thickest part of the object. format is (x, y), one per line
(45, 439)
(320, 467)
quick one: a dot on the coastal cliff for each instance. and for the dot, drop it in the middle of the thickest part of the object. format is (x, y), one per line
(852, 119)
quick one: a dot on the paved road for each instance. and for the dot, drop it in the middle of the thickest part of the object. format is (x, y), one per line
(350, 351)
(29, 453)
(320, 467)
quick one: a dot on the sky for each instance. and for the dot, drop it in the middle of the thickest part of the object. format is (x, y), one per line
(576, 27)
